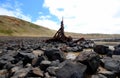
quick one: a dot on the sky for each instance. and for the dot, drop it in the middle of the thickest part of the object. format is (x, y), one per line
(80, 16)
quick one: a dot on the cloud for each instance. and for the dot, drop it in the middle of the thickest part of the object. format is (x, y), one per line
(13, 10)
(46, 22)
(87, 16)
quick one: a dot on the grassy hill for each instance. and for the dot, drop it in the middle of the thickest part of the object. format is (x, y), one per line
(11, 26)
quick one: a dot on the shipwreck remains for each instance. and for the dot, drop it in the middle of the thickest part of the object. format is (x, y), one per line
(60, 35)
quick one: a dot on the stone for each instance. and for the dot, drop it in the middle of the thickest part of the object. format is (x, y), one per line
(71, 56)
(71, 70)
(74, 49)
(55, 63)
(21, 73)
(116, 51)
(25, 57)
(54, 54)
(108, 74)
(14, 69)
(4, 73)
(111, 64)
(91, 59)
(36, 72)
(36, 61)
(47, 75)
(38, 52)
(8, 66)
(44, 64)
(52, 70)
(98, 76)
(0, 51)
(101, 49)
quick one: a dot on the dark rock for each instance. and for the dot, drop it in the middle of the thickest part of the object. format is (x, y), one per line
(2, 63)
(103, 50)
(116, 51)
(54, 54)
(35, 72)
(21, 73)
(52, 70)
(10, 48)
(86, 44)
(55, 63)
(44, 64)
(36, 61)
(91, 59)
(25, 57)
(8, 66)
(100, 49)
(108, 74)
(71, 70)
(74, 49)
(71, 44)
(111, 64)
(117, 46)
(5, 59)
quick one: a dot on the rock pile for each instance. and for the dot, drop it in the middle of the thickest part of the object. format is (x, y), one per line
(34, 58)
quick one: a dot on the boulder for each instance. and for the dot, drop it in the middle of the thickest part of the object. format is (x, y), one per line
(4, 59)
(116, 51)
(36, 61)
(21, 73)
(54, 54)
(35, 72)
(108, 74)
(117, 46)
(44, 64)
(25, 57)
(91, 59)
(103, 50)
(52, 70)
(111, 64)
(71, 69)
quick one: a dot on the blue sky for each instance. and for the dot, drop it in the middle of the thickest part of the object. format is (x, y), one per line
(80, 16)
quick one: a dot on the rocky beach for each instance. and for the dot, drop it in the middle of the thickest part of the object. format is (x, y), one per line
(23, 57)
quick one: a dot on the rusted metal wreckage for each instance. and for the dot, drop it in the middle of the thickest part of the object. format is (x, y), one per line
(60, 36)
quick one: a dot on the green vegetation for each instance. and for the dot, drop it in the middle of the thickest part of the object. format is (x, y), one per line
(11, 26)
(9, 32)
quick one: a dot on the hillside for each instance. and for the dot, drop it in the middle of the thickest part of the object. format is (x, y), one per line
(11, 26)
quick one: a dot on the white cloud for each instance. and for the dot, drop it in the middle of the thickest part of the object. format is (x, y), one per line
(44, 21)
(86, 16)
(13, 10)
